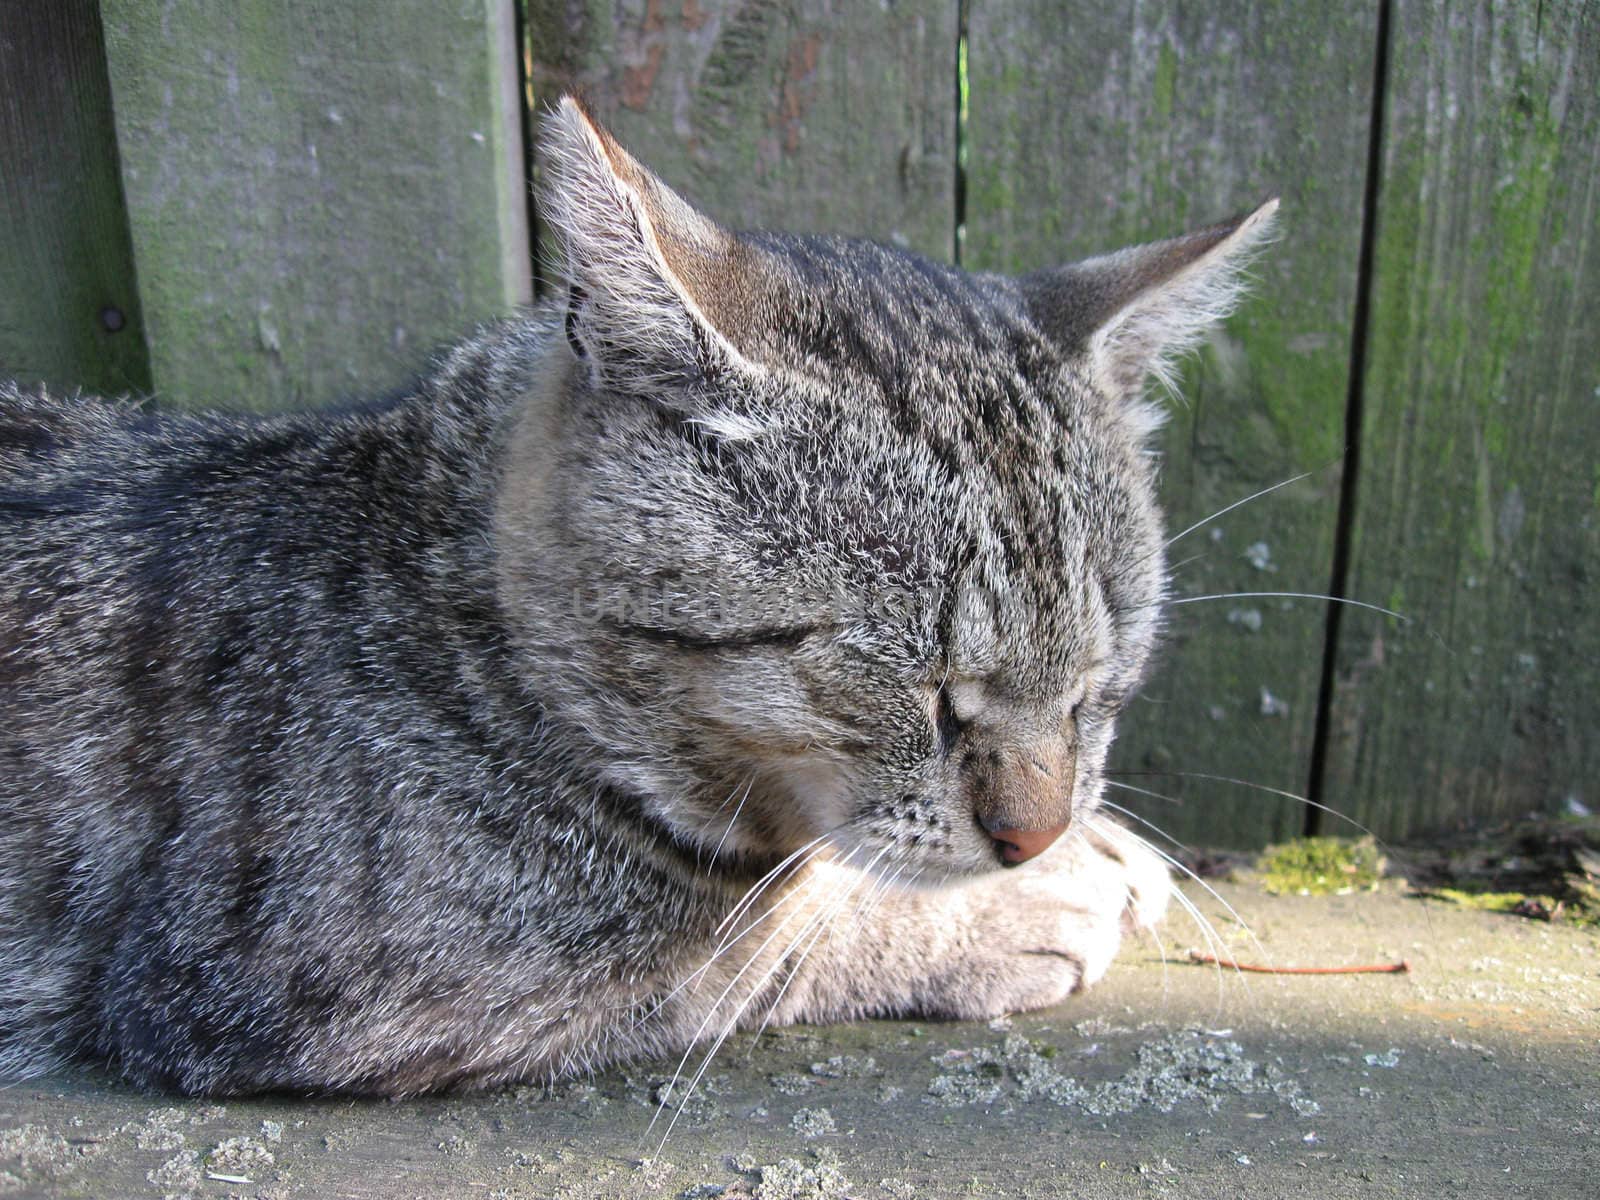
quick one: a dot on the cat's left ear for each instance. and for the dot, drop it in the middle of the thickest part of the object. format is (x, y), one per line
(657, 291)
(1135, 312)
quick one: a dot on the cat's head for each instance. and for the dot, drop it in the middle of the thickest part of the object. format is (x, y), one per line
(811, 536)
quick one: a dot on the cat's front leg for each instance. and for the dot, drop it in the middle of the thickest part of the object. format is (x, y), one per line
(1019, 939)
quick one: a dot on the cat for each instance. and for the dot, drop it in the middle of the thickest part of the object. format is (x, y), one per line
(736, 637)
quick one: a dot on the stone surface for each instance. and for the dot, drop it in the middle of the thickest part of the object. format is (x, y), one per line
(1473, 1075)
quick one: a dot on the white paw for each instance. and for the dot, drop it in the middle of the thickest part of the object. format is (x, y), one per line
(1145, 879)
(1082, 900)
(1054, 925)
(1077, 920)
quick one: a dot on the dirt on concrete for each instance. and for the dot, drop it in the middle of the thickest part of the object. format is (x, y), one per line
(1474, 1074)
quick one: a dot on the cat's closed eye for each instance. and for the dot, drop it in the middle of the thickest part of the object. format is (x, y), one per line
(947, 725)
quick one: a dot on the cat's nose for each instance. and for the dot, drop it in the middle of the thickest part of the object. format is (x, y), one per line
(1019, 845)
(1022, 796)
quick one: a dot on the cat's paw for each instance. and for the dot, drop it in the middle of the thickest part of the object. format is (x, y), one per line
(1146, 881)
(1052, 928)
(1023, 938)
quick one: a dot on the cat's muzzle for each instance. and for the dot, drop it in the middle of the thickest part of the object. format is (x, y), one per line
(1022, 796)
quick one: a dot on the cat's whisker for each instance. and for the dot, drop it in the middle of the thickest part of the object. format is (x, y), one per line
(711, 1013)
(1259, 787)
(860, 900)
(873, 882)
(1173, 569)
(766, 880)
(807, 934)
(1244, 783)
(812, 854)
(1377, 608)
(826, 924)
(1184, 562)
(748, 788)
(732, 1022)
(691, 981)
(733, 938)
(728, 1027)
(1206, 929)
(1221, 512)
(1155, 936)
(1202, 924)
(1161, 949)
(1133, 816)
(880, 890)
(1212, 939)
(863, 876)
(721, 808)
(1173, 862)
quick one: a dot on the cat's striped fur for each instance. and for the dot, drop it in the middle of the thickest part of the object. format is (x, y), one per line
(672, 658)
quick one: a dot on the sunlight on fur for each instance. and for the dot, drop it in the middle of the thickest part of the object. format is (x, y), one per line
(735, 639)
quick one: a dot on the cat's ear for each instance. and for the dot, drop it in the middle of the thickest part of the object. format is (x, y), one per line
(1137, 311)
(654, 287)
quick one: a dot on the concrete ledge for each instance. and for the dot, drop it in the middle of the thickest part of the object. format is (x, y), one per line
(1473, 1075)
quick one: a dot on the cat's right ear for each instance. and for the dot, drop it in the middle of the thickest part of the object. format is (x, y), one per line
(656, 290)
(1135, 312)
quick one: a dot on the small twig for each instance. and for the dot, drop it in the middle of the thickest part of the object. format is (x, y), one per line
(1374, 969)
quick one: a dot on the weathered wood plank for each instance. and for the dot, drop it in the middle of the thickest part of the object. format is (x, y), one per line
(1107, 125)
(1479, 506)
(69, 306)
(794, 114)
(318, 193)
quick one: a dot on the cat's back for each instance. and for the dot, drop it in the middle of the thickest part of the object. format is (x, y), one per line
(119, 522)
(71, 459)
(78, 450)
(129, 539)
(160, 567)
(44, 437)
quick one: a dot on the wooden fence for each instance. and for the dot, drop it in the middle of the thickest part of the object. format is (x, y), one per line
(284, 202)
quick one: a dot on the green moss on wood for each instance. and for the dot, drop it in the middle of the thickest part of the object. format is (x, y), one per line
(340, 173)
(70, 314)
(1164, 91)
(1479, 439)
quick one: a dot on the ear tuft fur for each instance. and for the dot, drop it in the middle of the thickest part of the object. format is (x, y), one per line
(1137, 311)
(638, 259)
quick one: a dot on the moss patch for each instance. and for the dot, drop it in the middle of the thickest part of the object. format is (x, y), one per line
(1545, 867)
(1320, 866)
(1580, 906)
(1509, 902)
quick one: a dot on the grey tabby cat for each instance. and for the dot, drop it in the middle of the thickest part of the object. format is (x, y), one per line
(738, 638)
